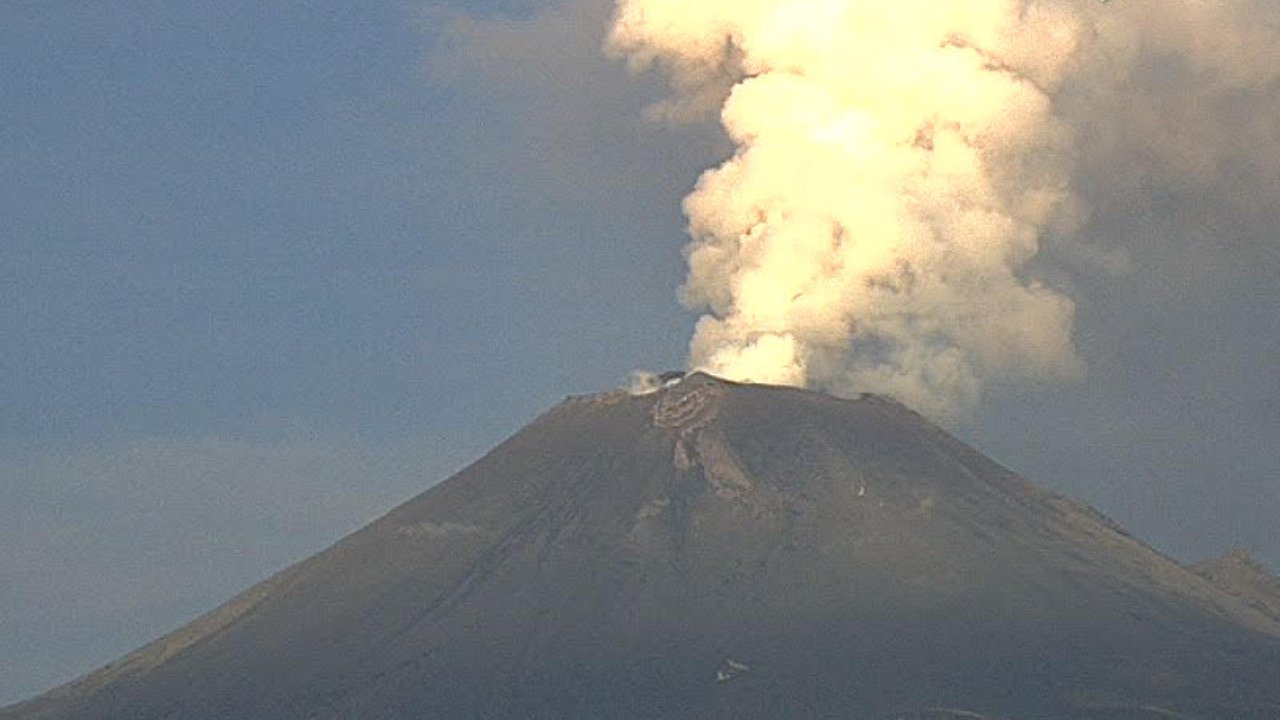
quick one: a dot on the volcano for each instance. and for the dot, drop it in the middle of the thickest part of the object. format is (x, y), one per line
(713, 550)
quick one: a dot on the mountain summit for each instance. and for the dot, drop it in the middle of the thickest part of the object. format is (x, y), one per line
(713, 550)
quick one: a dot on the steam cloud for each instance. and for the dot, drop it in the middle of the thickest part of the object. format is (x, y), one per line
(899, 164)
(894, 164)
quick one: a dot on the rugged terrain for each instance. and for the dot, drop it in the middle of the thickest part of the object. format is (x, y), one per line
(715, 551)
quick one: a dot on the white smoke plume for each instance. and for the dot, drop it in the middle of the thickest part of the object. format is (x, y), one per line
(643, 382)
(898, 164)
(919, 185)
(895, 163)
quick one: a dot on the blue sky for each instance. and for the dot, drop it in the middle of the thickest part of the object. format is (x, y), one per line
(268, 270)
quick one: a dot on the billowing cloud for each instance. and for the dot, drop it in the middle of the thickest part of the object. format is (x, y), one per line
(894, 166)
(898, 167)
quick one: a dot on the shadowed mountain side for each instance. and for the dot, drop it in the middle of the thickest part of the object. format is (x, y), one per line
(610, 560)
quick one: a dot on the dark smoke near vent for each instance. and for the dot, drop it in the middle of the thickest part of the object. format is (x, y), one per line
(712, 550)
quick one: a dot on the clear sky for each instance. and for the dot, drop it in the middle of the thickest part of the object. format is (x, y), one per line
(269, 269)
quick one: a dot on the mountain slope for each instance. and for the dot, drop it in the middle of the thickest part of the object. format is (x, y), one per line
(1241, 576)
(716, 550)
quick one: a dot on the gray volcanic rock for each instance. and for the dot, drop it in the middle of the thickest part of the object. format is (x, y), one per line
(710, 551)
(1240, 575)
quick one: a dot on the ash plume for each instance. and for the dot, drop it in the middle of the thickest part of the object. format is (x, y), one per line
(898, 166)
